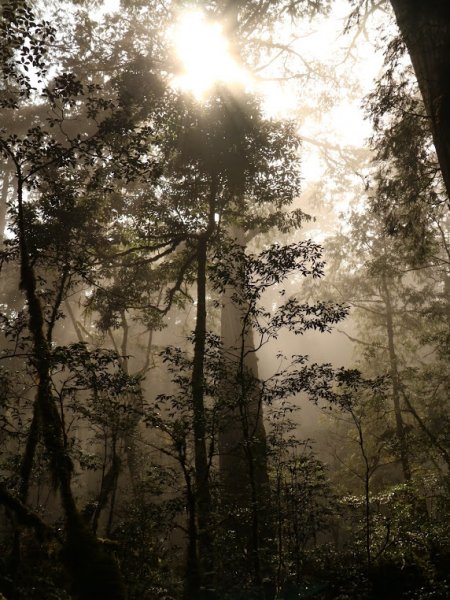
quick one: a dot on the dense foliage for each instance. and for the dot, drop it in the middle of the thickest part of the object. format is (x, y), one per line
(151, 260)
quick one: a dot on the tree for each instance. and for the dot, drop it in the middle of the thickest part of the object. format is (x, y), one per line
(242, 438)
(426, 32)
(136, 214)
(410, 201)
(42, 160)
(220, 159)
(385, 296)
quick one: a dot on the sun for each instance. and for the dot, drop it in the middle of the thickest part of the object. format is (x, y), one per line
(205, 59)
(204, 55)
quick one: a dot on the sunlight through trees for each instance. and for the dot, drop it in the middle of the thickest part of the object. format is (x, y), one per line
(224, 300)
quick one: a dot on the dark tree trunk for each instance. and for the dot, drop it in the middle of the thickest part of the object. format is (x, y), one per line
(202, 490)
(94, 574)
(425, 28)
(243, 415)
(192, 576)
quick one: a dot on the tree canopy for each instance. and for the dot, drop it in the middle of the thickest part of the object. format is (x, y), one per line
(224, 324)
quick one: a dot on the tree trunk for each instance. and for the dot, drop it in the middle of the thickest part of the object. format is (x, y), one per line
(202, 490)
(395, 381)
(242, 436)
(425, 28)
(192, 575)
(433, 438)
(3, 200)
(94, 574)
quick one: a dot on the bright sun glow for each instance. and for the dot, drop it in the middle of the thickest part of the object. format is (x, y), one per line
(205, 56)
(206, 59)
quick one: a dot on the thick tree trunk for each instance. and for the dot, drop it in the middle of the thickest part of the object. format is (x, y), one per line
(395, 381)
(242, 436)
(425, 28)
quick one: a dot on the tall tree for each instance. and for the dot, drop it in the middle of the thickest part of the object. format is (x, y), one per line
(425, 28)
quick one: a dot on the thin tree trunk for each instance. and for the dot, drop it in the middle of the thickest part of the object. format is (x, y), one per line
(3, 200)
(395, 381)
(203, 495)
(94, 574)
(192, 575)
(76, 327)
(367, 476)
(434, 440)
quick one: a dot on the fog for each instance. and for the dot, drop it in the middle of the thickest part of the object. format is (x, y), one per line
(224, 300)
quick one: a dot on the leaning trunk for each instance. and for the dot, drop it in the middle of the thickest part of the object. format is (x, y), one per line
(425, 28)
(94, 574)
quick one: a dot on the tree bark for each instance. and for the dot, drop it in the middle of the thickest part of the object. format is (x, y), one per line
(395, 380)
(242, 435)
(3, 200)
(202, 489)
(425, 28)
(94, 574)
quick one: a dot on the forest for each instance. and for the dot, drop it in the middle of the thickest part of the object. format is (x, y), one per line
(224, 300)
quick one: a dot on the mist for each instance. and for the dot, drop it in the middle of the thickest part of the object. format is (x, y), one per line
(224, 300)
